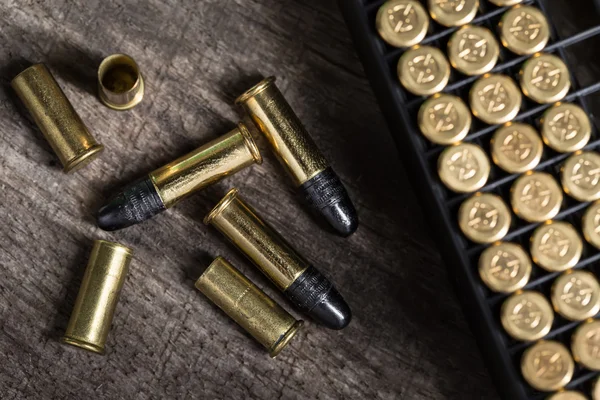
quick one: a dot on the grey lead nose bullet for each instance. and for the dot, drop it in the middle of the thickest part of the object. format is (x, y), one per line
(296, 151)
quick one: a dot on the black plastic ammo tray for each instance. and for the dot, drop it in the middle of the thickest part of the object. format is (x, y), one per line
(482, 306)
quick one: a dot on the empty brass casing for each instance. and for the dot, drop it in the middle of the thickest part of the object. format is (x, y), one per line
(215, 160)
(265, 247)
(98, 296)
(246, 304)
(120, 83)
(56, 118)
(275, 118)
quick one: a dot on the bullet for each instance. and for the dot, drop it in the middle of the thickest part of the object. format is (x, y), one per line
(584, 345)
(473, 50)
(298, 154)
(524, 30)
(423, 70)
(545, 78)
(505, 3)
(556, 246)
(576, 295)
(547, 365)
(580, 176)
(166, 186)
(463, 167)
(56, 118)
(98, 296)
(246, 304)
(566, 127)
(484, 218)
(590, 225)
(444, 119)
(302, 283)
(120, 83)
(453, 13)
(495, 99)
(504, 267)
(536, 196)
(526, 315)
(568, 395)
(516, 147)
(402, 23)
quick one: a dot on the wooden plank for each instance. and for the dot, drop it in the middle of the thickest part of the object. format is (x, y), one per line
(408, 338)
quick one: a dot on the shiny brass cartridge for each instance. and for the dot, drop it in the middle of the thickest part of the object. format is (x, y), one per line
(302, 283)
(56, 118)
(296, 151)
(166, 186)
(547, 365)
(98, 296)
(246, 304)
(120, 83)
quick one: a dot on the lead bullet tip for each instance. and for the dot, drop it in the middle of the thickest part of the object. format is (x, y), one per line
(315, 295)
(327, 195)
(134, 204)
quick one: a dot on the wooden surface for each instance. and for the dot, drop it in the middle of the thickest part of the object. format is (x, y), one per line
(408, 339)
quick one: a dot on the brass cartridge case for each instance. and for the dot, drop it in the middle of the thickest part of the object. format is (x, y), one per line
(120, 82)
(258, 241)
(320, 186)
(246, 304)
(166, 186)
(56, 117)
(275, 118)
(202, 167)
(302, 283)
(98, 296)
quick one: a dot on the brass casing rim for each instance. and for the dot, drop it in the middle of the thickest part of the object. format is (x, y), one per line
(285, 339)
(254, 90)
(586, 228)
(115, 246)
(542, 303)
(545, 32)
(505, 3)
(479, 69)
(210, 266)
(578, 194)
(221, 205)
(576, 345)
(138, 86)
(34, 66)
(445, 20)
(74, 341)
(584, 121)
(438, 56)
(511, 86)
(75, 163)
(538, 95)
(522, 256)
(55, 117)
(124, 107)
(250, 143)
(529, 375)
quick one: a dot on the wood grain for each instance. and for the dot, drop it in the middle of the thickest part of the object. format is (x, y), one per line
(408, 339)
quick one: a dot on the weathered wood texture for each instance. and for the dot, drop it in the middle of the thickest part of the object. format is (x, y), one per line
(408, 338)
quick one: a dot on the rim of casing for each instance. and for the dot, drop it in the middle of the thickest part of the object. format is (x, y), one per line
(82, 344)
(250, 143)
(138, 86)
(276, 349)
(254, 90)
(115, 246)
(221, 205)
(83, 159)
